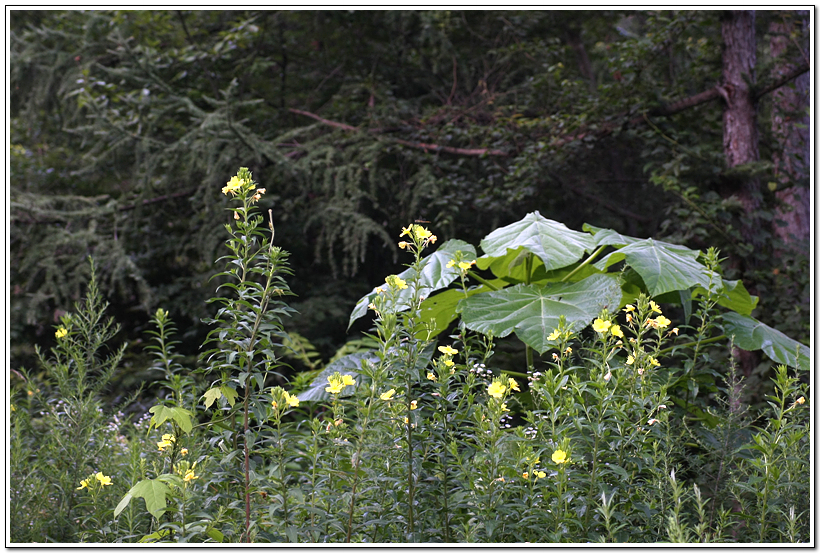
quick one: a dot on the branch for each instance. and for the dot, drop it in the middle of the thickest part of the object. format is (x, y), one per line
(793, 74)
(325, 121)
(158, 199)
(420, 145)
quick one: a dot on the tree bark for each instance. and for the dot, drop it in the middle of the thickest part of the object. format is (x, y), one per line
(791, 127)
(740, 136)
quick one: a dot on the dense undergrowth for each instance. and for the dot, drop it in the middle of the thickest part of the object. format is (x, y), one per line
(624, 425)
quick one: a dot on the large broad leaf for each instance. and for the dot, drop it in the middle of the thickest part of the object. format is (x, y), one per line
(349, 364)
(750, 334)
(441, 309)
(734, 296)
(435, 275)
(532, 311)
(663, 267)
(153, 491)
(555, 244)
(608, 237)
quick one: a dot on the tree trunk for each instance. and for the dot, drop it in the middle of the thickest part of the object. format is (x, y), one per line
(740, 137)
(791, 127)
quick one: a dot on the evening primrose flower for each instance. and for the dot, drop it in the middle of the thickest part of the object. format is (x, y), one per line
(184, 451)
(629, 307)
(654, 362)
(414, 405)
(630, 359)
(496, 389)
(654, 307)
(447, 350)
(233, 186)
(616, 331)
(167, 441)
(84, 483)
(662, 322)
(189, 475)
(554, 336)
(388, 394)
(559, 456)
(103, 479)
(395, 282)
(336, 384)
(601, 326)
(801, 400)
(431, 376)
(513, 385)
(61, 333)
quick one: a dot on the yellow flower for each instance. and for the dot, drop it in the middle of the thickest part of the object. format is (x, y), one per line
(184, 451)
(801, 400)
(233, 186)
(662, 322)
(406, 230)
(433, 239)
(336, 384)
(447, 350)
(568, 350)
(395, 282)
(448, 362)
(525, 476)
(654, 307)
(554, 336)
(421, 232)
(616, 331)
(431, 376)
(504, 407)
(464, 265)
(103, 479)
(654, 362)
(84, 483)
(189, 475)
(496, 389)
(293, 401)
(414, 405)
(629, 307)
(630, 359)
(560, 456)
(61, 333)
(347, 380)
(403, 244)
(388, 394)
(675, 331)
(513, 385)
(540, 474)
(600, 325)
(451, 264)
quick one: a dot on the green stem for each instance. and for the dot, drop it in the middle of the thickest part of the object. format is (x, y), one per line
(687, 344)
(586, 262)
(483, 281)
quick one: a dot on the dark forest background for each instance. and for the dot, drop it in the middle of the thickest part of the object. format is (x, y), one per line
(688, 126)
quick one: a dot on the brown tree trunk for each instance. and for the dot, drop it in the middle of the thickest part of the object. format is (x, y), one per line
(740, 137)
(791, 127)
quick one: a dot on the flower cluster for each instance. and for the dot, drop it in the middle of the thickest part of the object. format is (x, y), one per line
(98, 478)
(61, 333)
(279, 396)
(167, 441)
(421, 238)
(603, 327)
(337, 382)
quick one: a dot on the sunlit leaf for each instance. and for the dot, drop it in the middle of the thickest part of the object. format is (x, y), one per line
(532, 311)
(750, 334)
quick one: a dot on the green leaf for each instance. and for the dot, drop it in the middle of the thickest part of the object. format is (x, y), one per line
(608, 237)
(555, 244)
(442, 309)
(532, 311)
(152, 491)
(349, 364)
(734, 296)
(229, 393)
(163, 413)
(211, 396)
(434, 275)
(663, 267)
(751, 334)
(122, 504)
